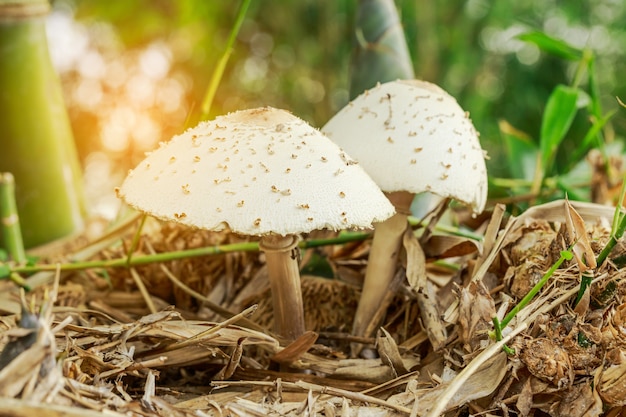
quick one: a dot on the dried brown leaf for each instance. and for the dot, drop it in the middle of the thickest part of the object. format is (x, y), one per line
(524, 401)
(612, 380)
(476, 309)
(583, 252)
(415, 261)
(296, 349)
(25, 408)
(15, 376)
(445, 246)
(580, 400)
(480, 384)
(389, 353)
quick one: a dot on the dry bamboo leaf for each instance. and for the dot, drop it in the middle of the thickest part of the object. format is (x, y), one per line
(524, 401)
(583, 252)
(480, 384)
(432, 321)
(296, 349)
(553, 212)
(578, 401)
(425, 291)
(491, 234)
(612, 381)
(476, 309)
(25, 408)
(20, 370)
(445, 246)
(415, 261)
(371, 370)
(389, 353)
(176, 330)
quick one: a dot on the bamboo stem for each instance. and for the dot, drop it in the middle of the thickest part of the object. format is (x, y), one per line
(282, 257)
(35, 132)
(11, 233)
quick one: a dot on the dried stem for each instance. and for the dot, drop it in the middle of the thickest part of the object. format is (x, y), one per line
(382, 263)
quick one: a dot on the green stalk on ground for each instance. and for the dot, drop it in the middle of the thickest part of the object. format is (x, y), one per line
(6, 269)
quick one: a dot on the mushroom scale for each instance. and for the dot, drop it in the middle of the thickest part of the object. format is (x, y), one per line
(257, 172)
(411, 135)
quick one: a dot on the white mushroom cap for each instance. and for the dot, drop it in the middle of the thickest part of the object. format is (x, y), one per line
(413, 136)
(257, 172)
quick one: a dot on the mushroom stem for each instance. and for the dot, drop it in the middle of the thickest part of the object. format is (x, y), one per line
(381, 266)
(282, 254)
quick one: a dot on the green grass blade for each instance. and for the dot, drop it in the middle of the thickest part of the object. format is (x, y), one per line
(218, 72)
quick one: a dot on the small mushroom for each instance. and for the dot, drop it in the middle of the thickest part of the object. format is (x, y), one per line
(258, 197)
(410, 136)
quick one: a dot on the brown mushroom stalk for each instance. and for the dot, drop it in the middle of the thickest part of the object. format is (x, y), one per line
(381, 266)
(283, 268)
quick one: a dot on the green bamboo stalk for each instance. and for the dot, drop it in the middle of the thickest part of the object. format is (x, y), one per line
(125, 262)
(35, 133)
(131, 261)
(380, 53)
(11, 233)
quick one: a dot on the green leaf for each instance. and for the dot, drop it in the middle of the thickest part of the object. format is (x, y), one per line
(593, 137)
(552, 45)
(5, 271)
(521, 151)
(318, 265)
(557, 119)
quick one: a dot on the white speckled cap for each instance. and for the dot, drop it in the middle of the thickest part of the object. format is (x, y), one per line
(413, 136)
(257, 172)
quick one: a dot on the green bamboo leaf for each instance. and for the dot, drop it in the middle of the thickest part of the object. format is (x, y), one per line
(557, 119)
(552, 45)
(380, 53)
(592, 137)
(521, 152)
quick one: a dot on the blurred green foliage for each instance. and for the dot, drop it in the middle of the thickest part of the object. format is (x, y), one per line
(295, 54)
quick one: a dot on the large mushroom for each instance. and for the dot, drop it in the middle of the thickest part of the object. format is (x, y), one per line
(410, 136)
(260, 172)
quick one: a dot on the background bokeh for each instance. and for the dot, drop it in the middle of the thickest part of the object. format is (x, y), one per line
(134, 72)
